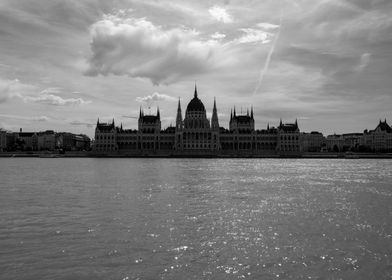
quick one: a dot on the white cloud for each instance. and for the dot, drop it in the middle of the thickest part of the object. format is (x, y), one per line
(254, 36)
(155, 97)
(364, 62)
(220, 14)
(47, 97)
(218, 36)
(13, 88)
(138, 48)
(41, 118)
(267, 25)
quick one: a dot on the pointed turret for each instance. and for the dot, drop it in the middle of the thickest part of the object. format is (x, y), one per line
(179, 116)
(251, 112)
(296, 123)
(234, 111)
(121, 127)
(214, 120)
(268, 126)
(158, 114)
(280, 123)
(98, 121)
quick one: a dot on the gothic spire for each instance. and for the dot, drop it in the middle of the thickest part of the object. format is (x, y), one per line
(179, 116)
(158, 114)
(251, 111)
(214, 119)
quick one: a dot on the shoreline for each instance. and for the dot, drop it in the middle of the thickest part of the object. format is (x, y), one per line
(275, 156)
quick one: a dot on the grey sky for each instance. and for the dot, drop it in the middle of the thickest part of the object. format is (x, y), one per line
(63, 64)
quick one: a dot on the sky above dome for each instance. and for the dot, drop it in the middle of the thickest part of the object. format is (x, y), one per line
(327, 63)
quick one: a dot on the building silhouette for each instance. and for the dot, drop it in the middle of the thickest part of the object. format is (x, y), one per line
(196, 135)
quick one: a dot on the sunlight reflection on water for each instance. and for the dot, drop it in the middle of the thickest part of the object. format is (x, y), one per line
(196, 219)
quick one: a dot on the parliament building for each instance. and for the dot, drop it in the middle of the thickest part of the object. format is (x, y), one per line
(195, 135)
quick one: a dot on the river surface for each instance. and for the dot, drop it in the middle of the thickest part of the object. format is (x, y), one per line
(72, 218)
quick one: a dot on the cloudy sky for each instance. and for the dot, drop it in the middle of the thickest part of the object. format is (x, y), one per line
(63, 64)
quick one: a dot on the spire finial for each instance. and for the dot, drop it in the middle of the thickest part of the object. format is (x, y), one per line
(195, 90)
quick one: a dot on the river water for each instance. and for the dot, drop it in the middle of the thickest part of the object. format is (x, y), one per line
(72, 218)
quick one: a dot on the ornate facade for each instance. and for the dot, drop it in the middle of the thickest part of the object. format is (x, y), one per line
(196, 135)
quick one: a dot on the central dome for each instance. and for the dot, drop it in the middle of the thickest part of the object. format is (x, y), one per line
(195, 105)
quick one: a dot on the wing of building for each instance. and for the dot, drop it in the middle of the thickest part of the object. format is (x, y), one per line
(196, 135)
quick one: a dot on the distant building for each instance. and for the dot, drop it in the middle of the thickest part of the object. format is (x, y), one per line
(352, 141)
(335, 143)
(26, 141)
(3, 140)
(72, 142)
(46, 140)
(288, 138)
(197, 135)
(313, 142)
(379, 139)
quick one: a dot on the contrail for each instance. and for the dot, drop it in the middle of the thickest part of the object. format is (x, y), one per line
(264, 70)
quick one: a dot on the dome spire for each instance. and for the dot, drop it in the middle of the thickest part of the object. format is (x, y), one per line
(195, 94)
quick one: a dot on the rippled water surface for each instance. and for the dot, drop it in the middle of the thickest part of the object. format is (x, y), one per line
(195, 219)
